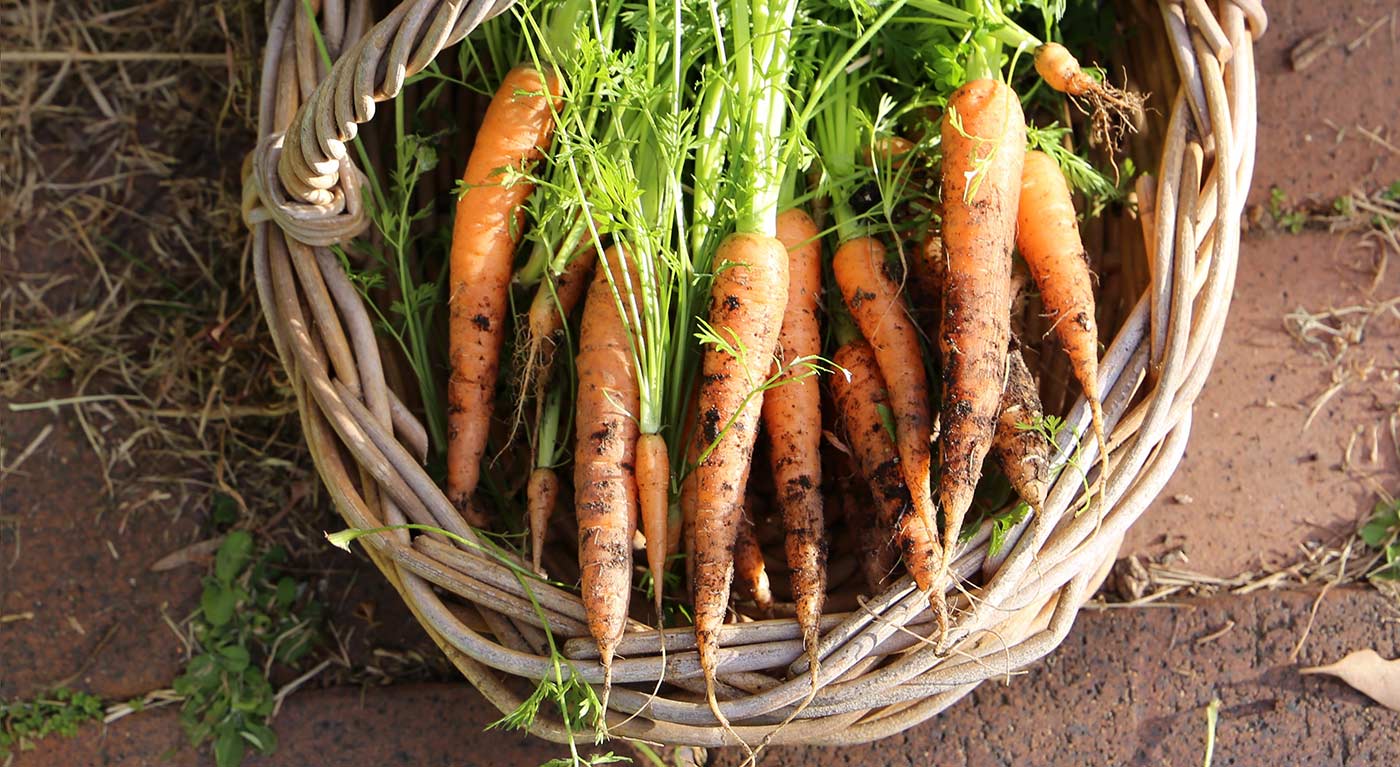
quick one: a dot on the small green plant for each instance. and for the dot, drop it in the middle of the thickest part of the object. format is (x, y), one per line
(249, 619)
(1288, 217)
(22, 722)
(1382, 532)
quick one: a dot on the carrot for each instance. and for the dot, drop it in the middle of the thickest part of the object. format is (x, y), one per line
(860, 398)
(1048, 238)
(872, 543)
(605, 485)
(542, 496)
(689, 499)
(750, 574)
(514, 133)
(1023, 453)
(872, 296)
(555, 300)
(792, 415)
(982, 155)
(926, 281)
(1112, 110)
(747, 299)
(653, 489)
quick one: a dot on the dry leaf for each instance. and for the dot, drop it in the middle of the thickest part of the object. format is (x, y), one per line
(1368, 672)
(194, 554)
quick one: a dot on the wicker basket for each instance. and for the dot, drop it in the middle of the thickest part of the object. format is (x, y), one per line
(302, 195)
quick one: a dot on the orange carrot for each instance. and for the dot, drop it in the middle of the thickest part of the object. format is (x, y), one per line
(554, 301)
(514, 134)
(792, 415)
(860, 399)
(654, 493)
(926, 281)
(750, 574)
(872, 296)
(1023, 453)
(542, 496)
(982, 157)
(1112, 109)
(605, 485)
(1048, 238)
(747, 299)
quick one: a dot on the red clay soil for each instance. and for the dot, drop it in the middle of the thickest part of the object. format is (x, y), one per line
(1127, 687)
(74, 573)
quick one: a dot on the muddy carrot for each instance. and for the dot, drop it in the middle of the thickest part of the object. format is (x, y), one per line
(605, 484)
(792, 416)
(862, 400)
(514, 133)
(1022, 451)
(984, 140)
(1048, 238)
(747, 299)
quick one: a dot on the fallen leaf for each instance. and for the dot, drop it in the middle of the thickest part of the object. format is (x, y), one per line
(1368, 672)
(194, 554)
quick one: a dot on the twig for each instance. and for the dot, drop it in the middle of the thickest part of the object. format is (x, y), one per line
(1214, 635)
(57, 57)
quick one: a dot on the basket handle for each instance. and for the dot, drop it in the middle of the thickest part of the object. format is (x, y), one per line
(302, 178)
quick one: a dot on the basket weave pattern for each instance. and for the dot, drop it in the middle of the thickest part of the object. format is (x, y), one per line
(302, 194)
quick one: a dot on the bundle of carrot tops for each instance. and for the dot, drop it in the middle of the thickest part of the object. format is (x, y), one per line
(726, 267)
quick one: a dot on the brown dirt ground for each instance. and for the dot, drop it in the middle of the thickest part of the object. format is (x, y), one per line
(1128, 687)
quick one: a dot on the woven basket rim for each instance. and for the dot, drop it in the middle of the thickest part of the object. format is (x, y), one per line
(302, 195)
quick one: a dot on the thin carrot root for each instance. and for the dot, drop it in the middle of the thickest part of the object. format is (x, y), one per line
(554, 302)
(750, 573)
(1101, 485)
(1023, 453)
(1113, 112)
(542, 496)
(653, 492)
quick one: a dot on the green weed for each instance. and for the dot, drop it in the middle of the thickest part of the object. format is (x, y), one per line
(61, 712)
(250, 617)
(1382, 532)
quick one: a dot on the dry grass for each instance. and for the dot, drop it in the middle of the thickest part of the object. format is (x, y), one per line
(127, 310)
(126, 295)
